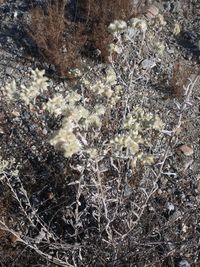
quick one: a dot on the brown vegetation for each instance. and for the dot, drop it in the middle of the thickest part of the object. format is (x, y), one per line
(99, 15)
(60, 40)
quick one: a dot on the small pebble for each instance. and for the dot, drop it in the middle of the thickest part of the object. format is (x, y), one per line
(186, 150)
(1, 130)
(184, 263)
(170, 206)
(9, 71)
(152, 12)
(15, 113)
(148, 64)
(44, 131)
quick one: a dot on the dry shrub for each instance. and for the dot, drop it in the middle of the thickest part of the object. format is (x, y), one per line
(98, 15)
(59, 41)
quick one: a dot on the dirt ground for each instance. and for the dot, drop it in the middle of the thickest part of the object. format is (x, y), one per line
(55, 211)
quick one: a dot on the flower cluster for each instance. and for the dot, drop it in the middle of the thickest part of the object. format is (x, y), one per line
(130, 28)
(60, 105)
(140, 117)
(77, 120)
(66, 141)
(38, 86)
(137, 128)
(106, 86)
(82, 123)
(56, 105)
(117, 26)
(10, 90)
(27, 93)
(139, 24)
(103, 85)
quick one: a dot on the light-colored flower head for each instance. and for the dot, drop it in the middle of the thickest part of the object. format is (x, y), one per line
(100, 110)
(66, 141)
(73, 97)
(138, 127)
(138, 24)
(157, 124)
(10, 90)
(27, 93)
(117, 26)
(38, 85)
(113, 48)
(75, 113)
(56, 105)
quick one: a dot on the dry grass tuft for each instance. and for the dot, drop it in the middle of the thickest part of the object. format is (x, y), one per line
(59, 41)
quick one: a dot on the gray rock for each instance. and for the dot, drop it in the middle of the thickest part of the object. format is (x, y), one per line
(184, 263)
(148, 64)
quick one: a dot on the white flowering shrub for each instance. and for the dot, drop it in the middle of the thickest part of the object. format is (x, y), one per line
(120, 26)
(78, 120)
(92, 168)
(129, 29)
(81, 119)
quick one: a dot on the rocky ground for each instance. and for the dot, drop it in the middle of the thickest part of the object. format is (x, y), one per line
(76, 211)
